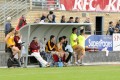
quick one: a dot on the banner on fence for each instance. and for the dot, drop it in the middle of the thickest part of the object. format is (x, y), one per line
(116, 42)
(91, 5)
(101, 42)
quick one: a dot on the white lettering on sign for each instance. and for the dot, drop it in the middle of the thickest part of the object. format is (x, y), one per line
(116, 42)
(100, 43)
(111, 5)
(91, 6)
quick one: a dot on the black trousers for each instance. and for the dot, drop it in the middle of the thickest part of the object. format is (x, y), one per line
(69, 57)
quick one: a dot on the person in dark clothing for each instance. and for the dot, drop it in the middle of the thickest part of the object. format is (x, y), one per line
(17, 39)
(22, 22)
(63, 19)
(50, 45)
(43, 16)
(52, 15)
(110, 29)
(77, 20)
(64, 46)
(7, 29)
(8, 26)
(70, 20)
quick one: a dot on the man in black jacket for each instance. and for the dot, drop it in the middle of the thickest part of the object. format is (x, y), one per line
(66, 50)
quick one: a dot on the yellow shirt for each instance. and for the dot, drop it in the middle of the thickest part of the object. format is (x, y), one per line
(72, 38)
(81, 41)
(10, 41)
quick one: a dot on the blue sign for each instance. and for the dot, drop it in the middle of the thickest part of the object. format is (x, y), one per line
(100, 41)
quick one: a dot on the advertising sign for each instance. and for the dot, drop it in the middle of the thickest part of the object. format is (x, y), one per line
(91, 5)
(101, 42)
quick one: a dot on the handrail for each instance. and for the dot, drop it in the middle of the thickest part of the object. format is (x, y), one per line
(12, 8)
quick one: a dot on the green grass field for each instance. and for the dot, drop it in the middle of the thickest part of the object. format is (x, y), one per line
(62, 73)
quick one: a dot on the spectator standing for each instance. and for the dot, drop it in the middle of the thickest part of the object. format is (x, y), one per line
(63, 19)
(21, 23)
(70, 20)
(8, 25)
(87, 28)
(77, 20)
(111, 28)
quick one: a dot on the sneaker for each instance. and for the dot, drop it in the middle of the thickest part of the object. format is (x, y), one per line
(76, 63)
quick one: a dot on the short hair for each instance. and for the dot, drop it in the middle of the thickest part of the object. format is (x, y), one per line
(11, 29)
(34, 38)
(81, 31)
(62, 16)
(60, 38)
(52, 36)
(71, 18)
(110, 22)
(76, 18)
(73, 29)
(50, 12)
(64, 37)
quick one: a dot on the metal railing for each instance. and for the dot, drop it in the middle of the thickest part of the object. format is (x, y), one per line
(11, 9)
(46, 4)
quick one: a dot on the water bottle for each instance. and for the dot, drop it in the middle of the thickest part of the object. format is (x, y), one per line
(60, 63)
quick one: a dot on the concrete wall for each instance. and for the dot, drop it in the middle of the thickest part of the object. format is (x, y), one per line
(3, 58)
(89, 58)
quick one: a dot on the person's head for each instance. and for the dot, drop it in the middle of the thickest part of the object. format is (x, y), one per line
(65, 38)
(77, 19)
(82, 31)
(50, 12)
(12, 30)
(110, 23)
(71, 19)
(63, 17)
(35, 39)
(17, 33)
(74, 30)
(8, 19)
(52, 38)
(61, 39)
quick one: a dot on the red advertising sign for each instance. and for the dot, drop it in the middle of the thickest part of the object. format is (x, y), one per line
(91, 5)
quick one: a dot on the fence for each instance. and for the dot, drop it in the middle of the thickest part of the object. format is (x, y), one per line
(12, 8)
(45, 4)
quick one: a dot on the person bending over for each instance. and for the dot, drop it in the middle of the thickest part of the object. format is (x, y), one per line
(9, 39)
(67, 48)
(61, 52)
